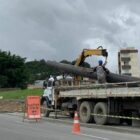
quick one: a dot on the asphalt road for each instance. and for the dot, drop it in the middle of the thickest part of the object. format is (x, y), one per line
(12, 128)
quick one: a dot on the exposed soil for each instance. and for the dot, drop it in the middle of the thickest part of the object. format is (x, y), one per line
(11, 106)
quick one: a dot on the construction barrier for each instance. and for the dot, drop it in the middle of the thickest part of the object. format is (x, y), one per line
(117, 117)
(110, 116)
(32, 107)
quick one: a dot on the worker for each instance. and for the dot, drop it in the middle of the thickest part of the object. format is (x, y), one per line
(48, 93)
(45, 84)
(48, 90)
(51, 81)
(101, 72)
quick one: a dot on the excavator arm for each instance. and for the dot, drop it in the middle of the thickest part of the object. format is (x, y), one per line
(89, 52)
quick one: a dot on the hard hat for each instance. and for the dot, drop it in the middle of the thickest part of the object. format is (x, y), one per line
(51, 79)
(100, 62)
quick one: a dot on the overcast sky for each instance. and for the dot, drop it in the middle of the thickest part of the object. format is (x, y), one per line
(60, 29)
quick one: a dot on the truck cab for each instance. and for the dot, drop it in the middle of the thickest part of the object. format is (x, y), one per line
(48, 97)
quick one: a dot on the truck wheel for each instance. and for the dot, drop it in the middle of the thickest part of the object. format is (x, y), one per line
(45, 108)
(100, 108)
(85, 112)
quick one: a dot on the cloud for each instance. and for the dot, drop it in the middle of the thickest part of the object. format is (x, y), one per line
(56, 30)
(37, 46)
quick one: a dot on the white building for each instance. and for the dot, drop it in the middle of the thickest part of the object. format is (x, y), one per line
(128, 62)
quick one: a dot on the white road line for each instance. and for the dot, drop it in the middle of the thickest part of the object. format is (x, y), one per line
(91, 136)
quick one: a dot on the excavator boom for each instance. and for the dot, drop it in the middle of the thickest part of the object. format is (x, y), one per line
(89, 52)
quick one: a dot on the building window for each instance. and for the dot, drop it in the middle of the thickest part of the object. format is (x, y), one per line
(126, 67)
(125, 58)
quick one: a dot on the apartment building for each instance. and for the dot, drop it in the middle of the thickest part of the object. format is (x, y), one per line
(128, 62)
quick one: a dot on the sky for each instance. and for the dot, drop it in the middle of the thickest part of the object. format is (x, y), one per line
(61, 29)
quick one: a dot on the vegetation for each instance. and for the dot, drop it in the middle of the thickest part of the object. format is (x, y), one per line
(20, 94)
(66, 62)
(39, 70)
(85, 64)
(13, 72)
(16, 73)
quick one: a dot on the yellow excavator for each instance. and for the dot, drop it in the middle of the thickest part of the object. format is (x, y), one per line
(89, 52)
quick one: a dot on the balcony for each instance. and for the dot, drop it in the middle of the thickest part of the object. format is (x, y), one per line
(126, 67)
(125, 59)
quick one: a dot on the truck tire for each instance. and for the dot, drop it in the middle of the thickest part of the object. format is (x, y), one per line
(100, 108)
(46, 107)
(85, 112)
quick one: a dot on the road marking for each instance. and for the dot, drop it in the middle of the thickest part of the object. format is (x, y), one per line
(91, 136)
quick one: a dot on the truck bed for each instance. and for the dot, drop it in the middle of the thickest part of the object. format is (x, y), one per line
(100, 91)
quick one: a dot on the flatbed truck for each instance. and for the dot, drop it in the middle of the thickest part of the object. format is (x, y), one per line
(99, 103)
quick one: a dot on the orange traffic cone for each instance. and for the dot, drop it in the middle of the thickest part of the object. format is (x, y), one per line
(76, 125)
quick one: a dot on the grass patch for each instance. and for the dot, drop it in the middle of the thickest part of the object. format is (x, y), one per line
(20, 94)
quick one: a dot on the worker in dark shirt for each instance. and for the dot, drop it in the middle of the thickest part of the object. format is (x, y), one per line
(101, 72)
(44, 84)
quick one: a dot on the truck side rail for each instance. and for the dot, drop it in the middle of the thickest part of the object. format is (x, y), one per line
(127, 89)
(99, 86)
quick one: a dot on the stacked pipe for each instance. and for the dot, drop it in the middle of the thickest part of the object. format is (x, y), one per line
(88, 72)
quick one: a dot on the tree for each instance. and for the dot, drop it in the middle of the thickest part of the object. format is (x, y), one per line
(13, 72)
(85, 64)
(65, 62)
(39, 70)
